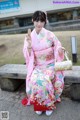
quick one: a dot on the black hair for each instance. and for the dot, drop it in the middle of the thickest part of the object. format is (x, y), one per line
(39, 16)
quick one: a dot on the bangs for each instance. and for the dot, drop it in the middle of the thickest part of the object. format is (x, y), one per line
(39, 16)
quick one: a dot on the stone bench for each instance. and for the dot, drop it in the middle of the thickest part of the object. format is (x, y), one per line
(72, 77)
(12, 75)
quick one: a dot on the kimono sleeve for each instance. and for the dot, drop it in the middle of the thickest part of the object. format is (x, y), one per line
(25, 51)
(57, 45)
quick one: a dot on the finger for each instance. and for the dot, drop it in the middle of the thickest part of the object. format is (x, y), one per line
(63, 48)
(29, 32)
(29, 42)
(28, 37)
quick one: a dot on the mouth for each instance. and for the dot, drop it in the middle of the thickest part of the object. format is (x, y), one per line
(39, 27)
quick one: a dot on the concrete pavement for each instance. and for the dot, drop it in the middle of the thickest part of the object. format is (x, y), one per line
(11, 101)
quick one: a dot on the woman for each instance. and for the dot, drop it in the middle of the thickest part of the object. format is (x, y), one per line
(43, 85)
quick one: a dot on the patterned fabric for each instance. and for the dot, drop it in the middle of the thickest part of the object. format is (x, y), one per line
(42, 83)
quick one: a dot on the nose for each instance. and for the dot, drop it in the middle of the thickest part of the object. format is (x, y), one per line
(39, 23)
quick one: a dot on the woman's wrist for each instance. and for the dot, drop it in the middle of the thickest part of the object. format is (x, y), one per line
(60, 51)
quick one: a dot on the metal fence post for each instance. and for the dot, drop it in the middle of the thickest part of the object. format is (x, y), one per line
(74, 48)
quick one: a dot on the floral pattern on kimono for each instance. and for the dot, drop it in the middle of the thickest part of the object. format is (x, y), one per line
(42, 83)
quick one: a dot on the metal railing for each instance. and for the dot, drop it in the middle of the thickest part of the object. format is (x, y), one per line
(61, 25)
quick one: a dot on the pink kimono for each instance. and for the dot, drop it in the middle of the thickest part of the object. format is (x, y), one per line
(43, 84)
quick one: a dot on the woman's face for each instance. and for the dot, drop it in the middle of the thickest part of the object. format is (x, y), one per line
(38, 25)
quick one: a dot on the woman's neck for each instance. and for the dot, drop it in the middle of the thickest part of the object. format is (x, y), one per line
(37, 31)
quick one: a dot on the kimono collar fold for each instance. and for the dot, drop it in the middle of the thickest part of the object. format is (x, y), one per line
(42, 33)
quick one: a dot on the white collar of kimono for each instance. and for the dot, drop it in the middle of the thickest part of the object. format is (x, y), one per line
(40, 33)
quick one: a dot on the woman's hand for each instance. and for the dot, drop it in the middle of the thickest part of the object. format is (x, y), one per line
(28, 38)
(61, 50)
